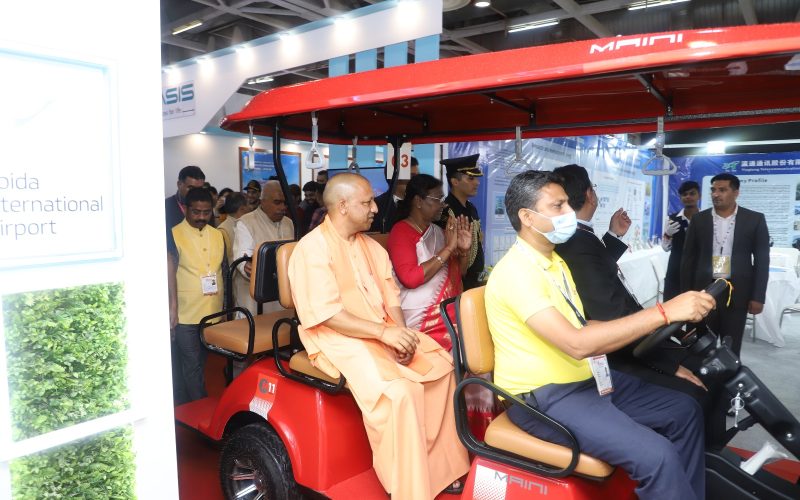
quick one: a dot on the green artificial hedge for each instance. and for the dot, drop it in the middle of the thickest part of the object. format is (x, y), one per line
(67, 363)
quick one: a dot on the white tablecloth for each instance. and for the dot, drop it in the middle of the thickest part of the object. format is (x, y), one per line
(782, 291)
(640, 275)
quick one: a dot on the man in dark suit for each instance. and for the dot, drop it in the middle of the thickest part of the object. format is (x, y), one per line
(592, 260)
(675, 236)
(732, 242)
(387, 210)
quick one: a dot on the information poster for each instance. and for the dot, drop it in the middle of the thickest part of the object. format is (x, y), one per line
(613, 164)
(769, 183)
(264, 169)
(57, 197)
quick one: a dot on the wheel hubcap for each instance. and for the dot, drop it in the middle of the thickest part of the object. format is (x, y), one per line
(247, 479)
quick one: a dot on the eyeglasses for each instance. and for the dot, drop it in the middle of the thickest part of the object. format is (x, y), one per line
(437, 198)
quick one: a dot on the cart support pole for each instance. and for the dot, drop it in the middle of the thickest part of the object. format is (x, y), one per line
(290, 203)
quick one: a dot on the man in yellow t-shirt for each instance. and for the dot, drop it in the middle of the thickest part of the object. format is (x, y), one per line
(545, 355)
(196, 288)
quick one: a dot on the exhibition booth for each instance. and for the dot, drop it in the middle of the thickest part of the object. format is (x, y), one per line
(102, 263)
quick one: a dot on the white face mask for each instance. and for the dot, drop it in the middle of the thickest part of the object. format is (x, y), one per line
(564, 227)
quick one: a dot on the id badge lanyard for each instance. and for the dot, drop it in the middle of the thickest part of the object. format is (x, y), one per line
(598, 364)
(208, 283)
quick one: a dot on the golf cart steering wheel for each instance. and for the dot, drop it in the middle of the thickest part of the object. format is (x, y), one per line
(716, 289)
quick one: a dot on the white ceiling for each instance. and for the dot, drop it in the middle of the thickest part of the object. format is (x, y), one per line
(467, 29)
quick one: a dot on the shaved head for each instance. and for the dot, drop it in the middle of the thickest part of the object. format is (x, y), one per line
(350, 203)
(342, 187)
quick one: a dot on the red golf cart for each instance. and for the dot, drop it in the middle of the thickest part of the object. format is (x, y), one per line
(290, 431)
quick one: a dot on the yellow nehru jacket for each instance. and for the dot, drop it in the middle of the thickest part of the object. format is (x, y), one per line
(199, 253)
(523, 283)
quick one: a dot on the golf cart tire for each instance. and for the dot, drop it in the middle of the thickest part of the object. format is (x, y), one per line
(258, 448)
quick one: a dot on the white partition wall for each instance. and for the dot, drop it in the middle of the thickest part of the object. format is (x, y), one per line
(82, 252)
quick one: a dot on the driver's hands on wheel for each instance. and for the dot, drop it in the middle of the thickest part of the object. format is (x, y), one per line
(690, 306)
(684, 373)
(402, 340)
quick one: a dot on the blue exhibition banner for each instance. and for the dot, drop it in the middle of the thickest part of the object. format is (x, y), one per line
(613, 164)
(770, 184)
(264, 168)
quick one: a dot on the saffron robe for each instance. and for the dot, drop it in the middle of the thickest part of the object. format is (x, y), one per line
(407, 410)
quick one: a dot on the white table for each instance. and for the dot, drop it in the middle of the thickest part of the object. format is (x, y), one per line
(782, 291)
(641, 276)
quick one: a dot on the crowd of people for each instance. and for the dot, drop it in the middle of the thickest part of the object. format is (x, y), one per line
(561, 317)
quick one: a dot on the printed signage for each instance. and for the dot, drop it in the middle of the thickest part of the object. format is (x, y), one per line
(58, 167)
(178, 101)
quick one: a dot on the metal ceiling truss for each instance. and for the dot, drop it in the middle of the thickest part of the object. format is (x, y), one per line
(276, 15)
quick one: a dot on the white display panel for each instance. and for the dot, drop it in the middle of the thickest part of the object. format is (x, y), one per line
(58, 190)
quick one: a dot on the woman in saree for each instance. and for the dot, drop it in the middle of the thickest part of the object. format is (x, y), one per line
(428, 261)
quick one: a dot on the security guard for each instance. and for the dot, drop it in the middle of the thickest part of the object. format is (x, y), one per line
(463, 178)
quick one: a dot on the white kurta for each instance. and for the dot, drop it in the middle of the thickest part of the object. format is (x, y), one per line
(252, 230)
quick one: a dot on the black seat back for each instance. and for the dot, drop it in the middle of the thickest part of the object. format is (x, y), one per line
(264, 280)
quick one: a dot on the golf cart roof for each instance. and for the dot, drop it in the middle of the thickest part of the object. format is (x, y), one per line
(698, 78)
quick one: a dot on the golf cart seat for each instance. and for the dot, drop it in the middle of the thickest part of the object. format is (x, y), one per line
(301, 368)
(504, 441)
(239, 339)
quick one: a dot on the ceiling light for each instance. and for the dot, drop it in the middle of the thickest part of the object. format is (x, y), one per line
(482, 3)
(646, 4)
(187, 26)
(260, 79)
(532, 26)
(793, 64)
(715, 147)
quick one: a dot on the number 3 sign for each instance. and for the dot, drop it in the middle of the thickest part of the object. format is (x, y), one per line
(405, 161)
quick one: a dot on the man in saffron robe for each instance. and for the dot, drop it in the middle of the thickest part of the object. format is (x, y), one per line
(349, 308)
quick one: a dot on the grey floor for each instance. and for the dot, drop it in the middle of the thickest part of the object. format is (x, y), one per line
(779, 369)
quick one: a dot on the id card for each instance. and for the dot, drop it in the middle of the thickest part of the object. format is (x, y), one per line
(721, 266)
(209, 284)
(602, 374)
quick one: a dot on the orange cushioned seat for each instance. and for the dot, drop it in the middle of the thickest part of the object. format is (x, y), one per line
(505, 435)
(234, 335)
(300, 363)
(502, 433)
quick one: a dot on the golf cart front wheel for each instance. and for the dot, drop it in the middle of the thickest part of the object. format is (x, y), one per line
(255, 466)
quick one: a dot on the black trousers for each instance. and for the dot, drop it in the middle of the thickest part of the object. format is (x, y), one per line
(729, 322)
(655, 434)
(192, 356)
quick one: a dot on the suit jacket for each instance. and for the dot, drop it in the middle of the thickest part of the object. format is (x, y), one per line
(672, 280)
(749, 258)
(593, 264)
(378, 224)
(172, 212)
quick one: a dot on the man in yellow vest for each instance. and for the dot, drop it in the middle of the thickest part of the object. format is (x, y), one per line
(196, 290)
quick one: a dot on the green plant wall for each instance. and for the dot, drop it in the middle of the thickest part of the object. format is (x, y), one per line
(67, 363)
